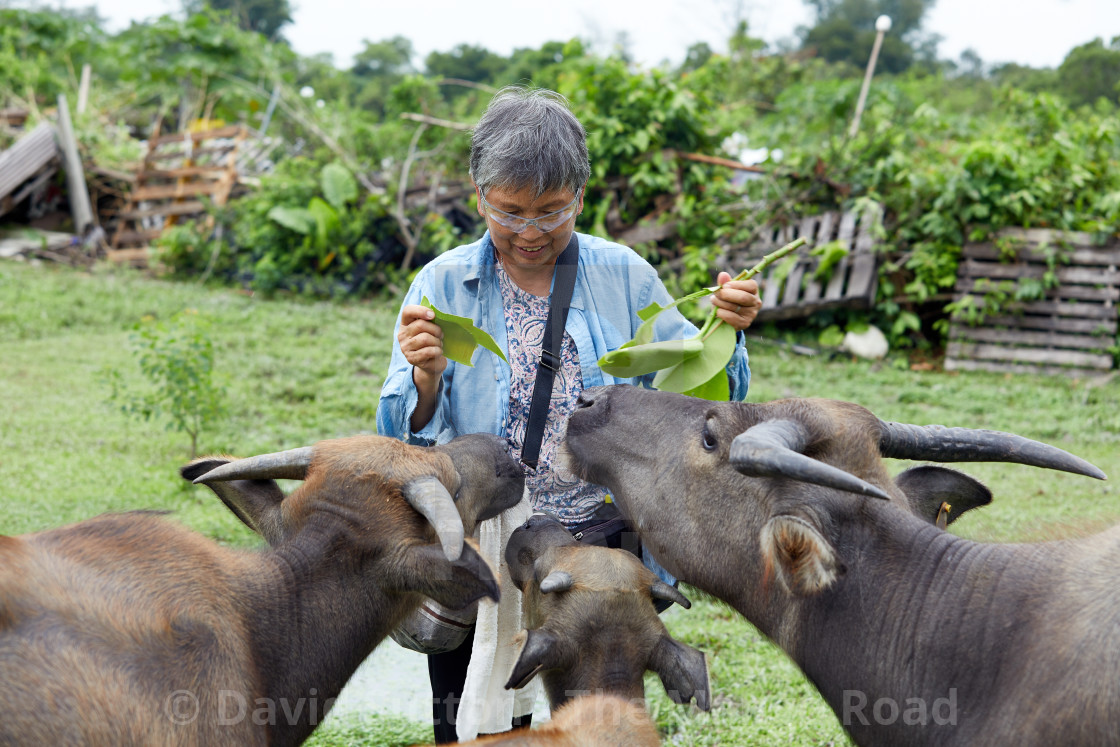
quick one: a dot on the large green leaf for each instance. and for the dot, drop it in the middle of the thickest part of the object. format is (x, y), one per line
(717, 388)
(635, 360)
(339, 185)
(461, 337)
(297, 219)
(326, 221)
(697, 371)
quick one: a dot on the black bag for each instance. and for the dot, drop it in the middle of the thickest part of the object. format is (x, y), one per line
(432, 628)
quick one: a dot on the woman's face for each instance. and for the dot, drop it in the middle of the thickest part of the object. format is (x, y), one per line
(529, 246)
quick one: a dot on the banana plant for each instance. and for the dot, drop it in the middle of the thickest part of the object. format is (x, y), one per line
(694, 366)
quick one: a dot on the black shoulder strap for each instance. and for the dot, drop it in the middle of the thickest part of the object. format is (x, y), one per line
(551, 349)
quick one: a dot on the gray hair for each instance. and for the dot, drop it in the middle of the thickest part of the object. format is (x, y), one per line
(529, 138)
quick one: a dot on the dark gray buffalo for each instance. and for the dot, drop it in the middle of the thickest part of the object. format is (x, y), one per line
(913, 635)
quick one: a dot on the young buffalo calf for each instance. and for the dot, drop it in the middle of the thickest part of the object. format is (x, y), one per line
(128, 629)
(591, 622)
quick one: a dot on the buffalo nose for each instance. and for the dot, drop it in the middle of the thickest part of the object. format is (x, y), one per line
(589, 397)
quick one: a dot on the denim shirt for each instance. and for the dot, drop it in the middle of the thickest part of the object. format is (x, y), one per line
(613, 283)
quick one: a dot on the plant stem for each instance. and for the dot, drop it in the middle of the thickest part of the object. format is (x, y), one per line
(714, 321)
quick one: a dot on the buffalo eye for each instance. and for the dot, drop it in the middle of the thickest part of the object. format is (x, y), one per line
(708, 439)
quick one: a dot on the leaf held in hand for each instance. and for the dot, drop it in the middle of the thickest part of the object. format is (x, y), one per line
(461, 337)
(697, 371)
(635, 360)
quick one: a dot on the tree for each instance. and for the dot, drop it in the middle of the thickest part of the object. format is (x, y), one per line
(1091, 71)
(466, 62)
(377, 68)
(266, 17)
(845, 32)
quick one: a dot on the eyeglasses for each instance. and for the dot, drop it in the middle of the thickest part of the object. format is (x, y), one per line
(544, 223)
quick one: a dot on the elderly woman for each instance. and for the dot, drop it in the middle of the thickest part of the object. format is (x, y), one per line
(529, 167)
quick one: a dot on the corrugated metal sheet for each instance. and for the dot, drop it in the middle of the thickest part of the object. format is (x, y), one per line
(30, 154)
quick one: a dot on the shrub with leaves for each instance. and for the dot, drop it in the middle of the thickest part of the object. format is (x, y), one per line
(176, 357)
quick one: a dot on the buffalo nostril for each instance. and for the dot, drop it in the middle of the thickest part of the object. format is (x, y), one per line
(585, 400)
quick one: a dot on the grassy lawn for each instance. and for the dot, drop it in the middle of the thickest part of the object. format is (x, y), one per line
(296, 372)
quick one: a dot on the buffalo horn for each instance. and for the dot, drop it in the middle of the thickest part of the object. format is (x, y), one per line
(428, 496)
(281, 465)
(662, 590)
(556, 581)
(773, 449)
(936, 443)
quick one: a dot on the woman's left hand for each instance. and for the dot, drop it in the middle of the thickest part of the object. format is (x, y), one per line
(737, 302)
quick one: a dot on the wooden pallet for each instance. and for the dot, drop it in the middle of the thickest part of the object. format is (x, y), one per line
(852, 282)
(178, 173)
(1069, 331)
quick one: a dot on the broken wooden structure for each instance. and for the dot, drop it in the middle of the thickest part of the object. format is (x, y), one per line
(1069, 331)
(851, 282)
(179, 172)
(28, 166)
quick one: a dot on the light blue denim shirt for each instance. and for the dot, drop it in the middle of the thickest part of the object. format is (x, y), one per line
(612, 284)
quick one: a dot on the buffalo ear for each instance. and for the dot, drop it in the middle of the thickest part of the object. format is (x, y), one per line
(928, 486)
(453, 584)
(255, 502)
(805, 561)
(540, 651)
(683, 671)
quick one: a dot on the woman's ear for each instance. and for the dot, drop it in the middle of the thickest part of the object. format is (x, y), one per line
(478, 200)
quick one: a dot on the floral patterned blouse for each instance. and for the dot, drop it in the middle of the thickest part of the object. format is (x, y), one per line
(550, 489)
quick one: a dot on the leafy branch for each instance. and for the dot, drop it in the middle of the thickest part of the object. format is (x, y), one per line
(693, 366)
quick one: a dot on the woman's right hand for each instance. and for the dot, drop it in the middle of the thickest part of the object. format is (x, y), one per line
(421, 341)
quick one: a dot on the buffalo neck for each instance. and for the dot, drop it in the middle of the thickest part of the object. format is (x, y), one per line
(912, 619)
(316, 613)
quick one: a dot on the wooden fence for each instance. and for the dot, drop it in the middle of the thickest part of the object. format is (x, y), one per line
(1068, 331)
(852, 281)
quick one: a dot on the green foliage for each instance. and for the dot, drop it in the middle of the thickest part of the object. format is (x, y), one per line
(1090, 72)
(266, 17)
(176, 356)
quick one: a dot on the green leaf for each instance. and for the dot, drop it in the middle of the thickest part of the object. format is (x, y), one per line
(339, 185)
(696, 371)
(326, 220)
(717, 388)
(461, 337)
(297, 219)
(635, 360)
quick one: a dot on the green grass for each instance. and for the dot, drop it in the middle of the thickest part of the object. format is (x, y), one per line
(296, 372)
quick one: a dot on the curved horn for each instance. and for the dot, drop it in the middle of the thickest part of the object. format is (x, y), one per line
(428, 496)
(556, 581)
(662, 590)
(773, 449)
(936, 443)
(281, 465)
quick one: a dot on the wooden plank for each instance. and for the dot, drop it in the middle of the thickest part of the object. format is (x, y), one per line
(186, 172)
(807, 229)
(983, 351)
(963, 333)
(1067, 308)
(1107, 295)
(771, 290)
(1082, 256)
(1049, 236)
(962, 364)
(815, 288)
(1065, 274)
(863, 281)
(792, 288)
(828, 223)
(136, 237)
(1056, 323)
(192, 207)
(27, 157)
(172, 191)
(138, 254)
(229, 131)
